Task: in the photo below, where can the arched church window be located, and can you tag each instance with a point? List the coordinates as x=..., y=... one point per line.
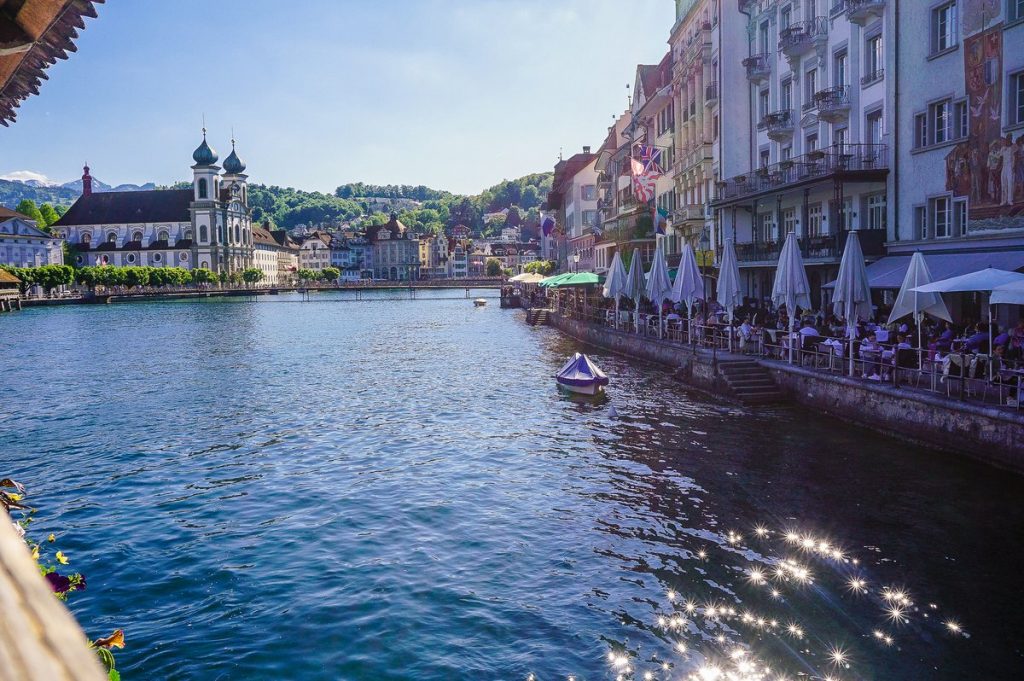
x=238, y=233
x=163, y=236
x=111, y=237
x=86, y=238
x=136, y=236
x=203, y=234
x=203, y=188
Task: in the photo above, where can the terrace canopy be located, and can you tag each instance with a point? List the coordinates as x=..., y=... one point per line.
x=889, y=272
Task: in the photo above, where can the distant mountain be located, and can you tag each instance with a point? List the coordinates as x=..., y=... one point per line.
x=41, y=190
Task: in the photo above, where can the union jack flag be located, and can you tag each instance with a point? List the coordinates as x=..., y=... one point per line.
x=650, y=157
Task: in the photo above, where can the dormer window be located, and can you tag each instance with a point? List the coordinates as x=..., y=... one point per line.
x=86, y=238
x=111, y=237
x=163, y=236
x=136, y=236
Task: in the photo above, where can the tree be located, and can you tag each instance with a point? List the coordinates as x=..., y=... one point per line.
x=306, y=274
x=48, y=214
x=136, y=276
x=87, y=276
x=542, y=267
x=28, y=208
x=235, y=277
x=203, y=276
x=252, y=275
x=330, y=274
x=492, y=267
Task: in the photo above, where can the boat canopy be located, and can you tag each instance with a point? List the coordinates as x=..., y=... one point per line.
x=580, y=371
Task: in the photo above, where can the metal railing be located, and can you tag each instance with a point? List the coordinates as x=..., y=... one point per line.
x=779, y=122
x=872, y=77
x=816, y=164
x=799, y=37
x=832, y=99
x=758, y=66
x=710, y=93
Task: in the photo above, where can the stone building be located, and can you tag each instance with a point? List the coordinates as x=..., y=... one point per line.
x=396, y=252
x=276, y=255
x=315, y=251
x=22, y=244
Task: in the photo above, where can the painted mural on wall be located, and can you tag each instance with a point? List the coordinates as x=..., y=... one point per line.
x=988, y=167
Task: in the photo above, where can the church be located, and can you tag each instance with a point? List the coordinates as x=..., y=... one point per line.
x=208, y=225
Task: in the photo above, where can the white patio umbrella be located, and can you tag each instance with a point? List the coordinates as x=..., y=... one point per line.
x=914, y=302
x=688, y=287
x=1008, y=294
x=615, y=283
x=982, y=281
x=659, y=284
x=851, y=298
x=635, y=284
x=791, y=287
x=730, y=296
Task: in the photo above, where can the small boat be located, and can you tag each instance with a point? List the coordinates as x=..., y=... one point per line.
x=581, y=376
x=480, y=302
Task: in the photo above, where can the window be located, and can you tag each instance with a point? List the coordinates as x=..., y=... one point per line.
x=765, y=231
x=86, y=238
x=136, y=236
x=846, y=214
x=765, y=158
x=960, y=217
x=921, y=130
x=157, y=257
x=787, y=153
x=789, y=220
x=839, y=69
x=762, y=103
x=811, y=81
x=811, y=143
x=921, y=222
x=1015, y=10
x=188, y=233
x=785, y=18
x=203, y=234
x=786, y=96
x=941, y=217
x=130, y=258
x=943, y=27
x=873, y=129
x=111, y=237
x=839, y=137
x=203, y=189
x=874, y=59
x=944, y=121
x=960, y=119
x=814, y=225
x=1017, y=89
x=939, y=115
x=763, y=34
x=588, y=192
x=877, y=215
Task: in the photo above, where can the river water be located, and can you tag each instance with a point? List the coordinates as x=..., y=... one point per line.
x=394, y=489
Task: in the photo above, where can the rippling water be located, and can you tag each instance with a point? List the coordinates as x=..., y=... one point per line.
x=394, y=489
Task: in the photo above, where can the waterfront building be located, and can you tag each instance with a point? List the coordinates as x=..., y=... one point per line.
x=23, y=244
x=396, y=254
x=573, y=196
x=315, y=251
x=458, y=259
x=208, y=225
x=434, y=256
x=276, y=255
x=958, y=190
x=814, y=153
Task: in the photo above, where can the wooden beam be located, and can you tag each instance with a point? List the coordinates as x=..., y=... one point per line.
x=39, y=639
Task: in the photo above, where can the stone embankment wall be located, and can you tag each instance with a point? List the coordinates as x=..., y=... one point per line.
x=992, y=435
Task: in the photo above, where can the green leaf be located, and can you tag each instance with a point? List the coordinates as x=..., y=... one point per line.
x=114, y=675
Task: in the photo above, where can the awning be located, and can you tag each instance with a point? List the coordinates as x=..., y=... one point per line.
x=890, y=271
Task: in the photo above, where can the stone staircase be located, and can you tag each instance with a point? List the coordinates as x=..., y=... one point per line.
x=750, y=382
x=537, y=316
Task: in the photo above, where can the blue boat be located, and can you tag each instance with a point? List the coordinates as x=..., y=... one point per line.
x=581, y=376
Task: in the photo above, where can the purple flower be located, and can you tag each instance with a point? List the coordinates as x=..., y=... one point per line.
x=58, y=583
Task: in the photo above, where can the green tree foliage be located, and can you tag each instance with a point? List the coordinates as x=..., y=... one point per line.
x=492, y=268
x=330, y=274
x=287, y=207
x=48, y=277
x=28, y=208
x=306, y=274
x=49, y=214
x=252, y=275
x=542, y=267
x=203, y=276
x=360, y=190
x=136, y=276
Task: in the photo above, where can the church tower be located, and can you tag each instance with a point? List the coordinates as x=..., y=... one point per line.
x=238, y=218
x=207, y=221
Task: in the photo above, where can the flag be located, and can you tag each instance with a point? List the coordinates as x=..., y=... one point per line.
x=660, y=221
x=650, y=157
x=643, y=183
x=548, y=225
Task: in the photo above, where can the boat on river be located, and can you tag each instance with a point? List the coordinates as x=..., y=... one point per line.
x=581, y=376
x=480, y=302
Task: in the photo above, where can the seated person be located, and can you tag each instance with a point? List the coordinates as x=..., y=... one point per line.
x=978, y=342
x=1001, y=341
x=808, y=329
x=902, y=343
x=871, y=353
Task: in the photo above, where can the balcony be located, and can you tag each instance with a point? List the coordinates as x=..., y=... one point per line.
x=802, y=37
x=851, y=162
x=779, y=124
x=758, y=67
x=827, y=247
x=683, y=214
x=755, y=7
x=860, y=12
x=833, y=103
x=710, y=94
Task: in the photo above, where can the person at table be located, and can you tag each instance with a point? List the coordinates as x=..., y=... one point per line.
x=871, y=353
x=746, y=333
x=1016, y=348
x=1002, y=340
x=978, y=341
x=944, y=343
x=808, y=329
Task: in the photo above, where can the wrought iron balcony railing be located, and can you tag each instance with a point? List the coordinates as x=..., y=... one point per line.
x=801, y=37
x=758, y=67
x=862, y=11
x=833, y=103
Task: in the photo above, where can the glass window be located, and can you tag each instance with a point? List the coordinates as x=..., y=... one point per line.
x=1017, y=89
x=874, y=58
x=763, y=103
x=960, y=119
x=921, y=130
x=942, y=217
x=111, y=237
x=202, y=188
x=839, y=137
x=944, y=34
x=786, y=95
x=839, y=69
x=814, y=226
x=812, y=85
x=786, y=17
x=939, y=116
x=874, y=128
x=811, y=143
x=877, y=215
x=1015, y=10
x=921, y=222
x=960, y=217
x=789, y=220
x=588, y=192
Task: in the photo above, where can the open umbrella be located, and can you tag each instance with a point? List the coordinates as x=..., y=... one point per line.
x=791, y=287
x=982, y=281
x=914, y=302
x=615, y=283
x=635, y=284
x=659, y=286
x=730, y=296
x=688, y=287
x=851, y=298
x=1008, y=294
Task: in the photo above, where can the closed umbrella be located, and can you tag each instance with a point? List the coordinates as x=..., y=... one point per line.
x=791, y=287
x=851, y=298
x=615, y=283
x=729, y=294
x=635, y=284
x=914, y=302
x=688, y=287
x=659, y=285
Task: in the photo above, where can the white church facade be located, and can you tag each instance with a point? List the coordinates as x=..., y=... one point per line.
x=206, y=226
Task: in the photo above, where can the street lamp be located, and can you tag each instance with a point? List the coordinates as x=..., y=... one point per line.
x=576, y=261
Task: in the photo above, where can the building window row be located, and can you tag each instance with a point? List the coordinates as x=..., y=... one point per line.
x=942, y=217
x=944, y=121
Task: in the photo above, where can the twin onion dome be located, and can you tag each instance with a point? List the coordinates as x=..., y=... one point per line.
x=205, y=155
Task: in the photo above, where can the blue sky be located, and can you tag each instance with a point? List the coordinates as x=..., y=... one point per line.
x=454, y=94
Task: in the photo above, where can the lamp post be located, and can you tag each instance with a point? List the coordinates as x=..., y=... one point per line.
x=576, y=261
x=705, y=247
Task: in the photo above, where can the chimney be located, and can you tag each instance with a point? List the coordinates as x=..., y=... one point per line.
x=86, y=181
x=586, y=150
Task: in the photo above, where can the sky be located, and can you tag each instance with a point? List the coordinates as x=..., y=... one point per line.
x=453, y=94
